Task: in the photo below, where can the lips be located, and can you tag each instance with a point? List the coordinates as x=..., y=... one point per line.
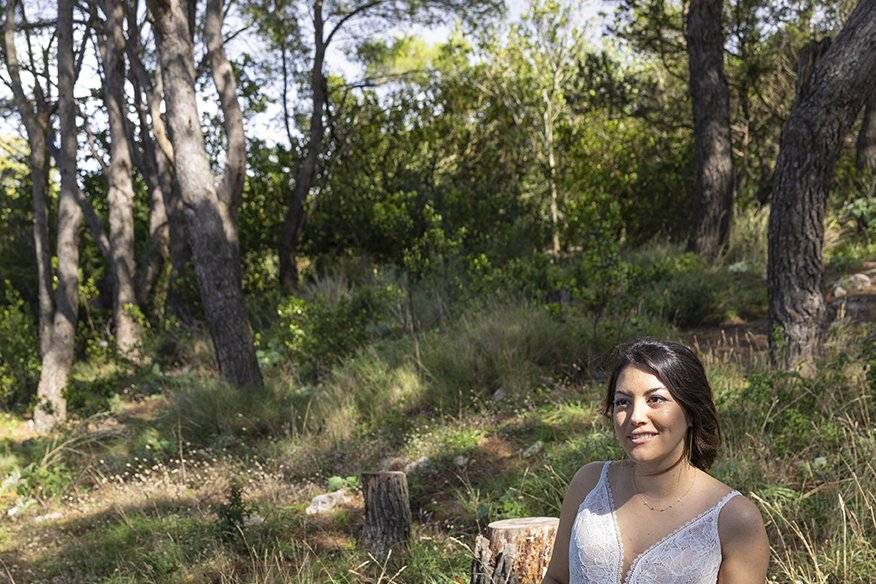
x=642, y=437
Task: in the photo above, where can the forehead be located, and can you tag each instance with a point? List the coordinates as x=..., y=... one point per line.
x=634, y=380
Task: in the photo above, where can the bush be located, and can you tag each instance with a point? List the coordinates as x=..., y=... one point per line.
x=317, y=331
x=207, y=410
x=679, y=287
x=19, y=357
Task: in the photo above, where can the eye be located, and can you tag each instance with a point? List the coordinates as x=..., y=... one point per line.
x=657, y=399
x=621, y=402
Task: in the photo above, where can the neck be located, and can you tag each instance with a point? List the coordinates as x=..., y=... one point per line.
x=663, y=478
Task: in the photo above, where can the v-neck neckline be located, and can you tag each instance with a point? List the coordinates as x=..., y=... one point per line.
x=624, y=578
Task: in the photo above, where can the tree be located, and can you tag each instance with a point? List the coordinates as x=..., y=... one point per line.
x=820, y=119
x=329, y=20
x=120, y=191
x=58, y=359
x=866, y=144
x=211, y=202
x=35, y=115
x=710, y=98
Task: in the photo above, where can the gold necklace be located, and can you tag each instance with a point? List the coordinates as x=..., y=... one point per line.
x=652, y=507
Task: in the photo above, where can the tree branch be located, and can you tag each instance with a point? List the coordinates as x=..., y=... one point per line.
x=231, y=184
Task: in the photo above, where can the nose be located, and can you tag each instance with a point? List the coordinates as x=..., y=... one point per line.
x=638, y=413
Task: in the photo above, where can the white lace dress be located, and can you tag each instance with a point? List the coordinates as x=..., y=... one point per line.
x=689, y=555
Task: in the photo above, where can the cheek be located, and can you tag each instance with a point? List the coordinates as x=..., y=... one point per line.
x=670, y=416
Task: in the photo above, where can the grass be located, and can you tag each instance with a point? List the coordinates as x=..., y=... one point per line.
x=132, y=490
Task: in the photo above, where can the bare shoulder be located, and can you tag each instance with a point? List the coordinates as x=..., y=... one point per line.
x=586, y=478
x=740, y=519
x=745, y=546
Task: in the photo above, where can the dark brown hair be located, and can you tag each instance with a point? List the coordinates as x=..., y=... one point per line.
x=681, y=371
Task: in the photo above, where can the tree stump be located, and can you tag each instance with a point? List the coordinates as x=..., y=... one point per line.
x=387, y=513
x=517, y=552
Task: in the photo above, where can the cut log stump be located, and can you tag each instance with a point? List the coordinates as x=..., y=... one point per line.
x=517, y=552
x=387, y=513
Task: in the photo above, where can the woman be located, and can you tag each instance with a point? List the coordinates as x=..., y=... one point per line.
x=658, y=517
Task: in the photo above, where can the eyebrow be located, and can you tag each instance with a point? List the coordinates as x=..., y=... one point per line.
x=652, y=390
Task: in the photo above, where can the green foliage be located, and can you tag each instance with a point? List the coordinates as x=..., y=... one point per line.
x=681, y=288
x=231, y=514
x=19, y=351
x=336, y=483
x=318, y=331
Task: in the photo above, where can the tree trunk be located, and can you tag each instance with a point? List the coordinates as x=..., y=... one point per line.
x=212, y=231
x=865, y=158
x=120, y=192
x=36, y=119
x=554, y=205
x=811, y=140
x=518, y=551
x=51, y=406
x=387, y=513
x=293, y=223
x=154, y=281
x=710, y=98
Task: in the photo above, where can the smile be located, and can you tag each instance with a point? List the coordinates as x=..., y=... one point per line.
x=641, y=438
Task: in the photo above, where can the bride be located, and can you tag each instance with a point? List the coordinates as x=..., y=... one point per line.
x=658, y=517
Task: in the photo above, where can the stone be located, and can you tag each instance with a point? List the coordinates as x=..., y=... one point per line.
x=253, y=519
x=329, y=502
x=857, y=281
x=839, y=292
x=21, y=505
x=393, y=463
x=49, y=517
x=499, y=394
x=533, y=450
x=739, y=267
x=460, y=460
x=422, y=464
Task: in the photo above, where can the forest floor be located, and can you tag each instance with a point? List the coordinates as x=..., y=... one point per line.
x=134, y=495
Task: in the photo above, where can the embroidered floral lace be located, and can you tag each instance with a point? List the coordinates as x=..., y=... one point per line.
x=688, y=555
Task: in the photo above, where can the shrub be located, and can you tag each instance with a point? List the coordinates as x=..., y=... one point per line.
x=319, y=330
x=19, y=358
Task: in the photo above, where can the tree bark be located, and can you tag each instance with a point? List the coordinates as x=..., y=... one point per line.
x=811, y=140
x=212, y=230
x=51, y=406
x=710, y=98
x=293, y=223
x=120, y=192
x=554, y=205
x=161, y=151
x=865, y=158
x=518, y=550
x=36, y=119
x=153, y=281
x=387, y=513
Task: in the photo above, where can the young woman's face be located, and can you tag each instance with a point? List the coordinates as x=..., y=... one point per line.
x=649, y=424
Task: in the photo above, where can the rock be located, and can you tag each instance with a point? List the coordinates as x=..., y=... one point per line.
x=21, y=505
x=839, y=292
x=499, y=394
x=422, y=464
x=253, y=519
x=533, y=450
x=738, y=268
x=329, y=502
x=858, y=281
x=393, y=463
x=460, y=460
x=11, y=481
x=49, y=517
x=819, y=462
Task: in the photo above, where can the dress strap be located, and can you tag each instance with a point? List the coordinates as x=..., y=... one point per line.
x=724, y=500
x=603, y=476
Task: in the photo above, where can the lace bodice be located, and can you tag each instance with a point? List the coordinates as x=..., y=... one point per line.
x=688, y=555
